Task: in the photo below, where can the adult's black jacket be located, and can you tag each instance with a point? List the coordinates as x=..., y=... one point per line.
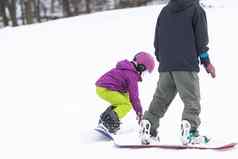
x=180, y=36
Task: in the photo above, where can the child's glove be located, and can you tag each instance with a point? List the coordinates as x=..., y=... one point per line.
x=210, y=69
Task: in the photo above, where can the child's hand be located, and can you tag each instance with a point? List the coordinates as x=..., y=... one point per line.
x=139, y=117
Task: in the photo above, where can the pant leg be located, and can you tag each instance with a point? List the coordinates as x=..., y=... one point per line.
x=187, y=84
x=120, y=101
x=163, y=96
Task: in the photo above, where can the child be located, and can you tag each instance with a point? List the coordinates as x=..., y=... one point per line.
x=119, y=87
x=181, y=39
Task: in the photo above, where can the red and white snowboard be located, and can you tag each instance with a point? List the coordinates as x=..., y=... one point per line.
x=224, y=146
x=132, y=140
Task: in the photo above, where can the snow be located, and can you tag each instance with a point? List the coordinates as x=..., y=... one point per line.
x=219, y=3
x=48, y=104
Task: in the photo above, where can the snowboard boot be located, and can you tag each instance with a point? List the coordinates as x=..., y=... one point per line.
x=110, y=120
x=191, y=136
x=154, y=139
x=147, y=135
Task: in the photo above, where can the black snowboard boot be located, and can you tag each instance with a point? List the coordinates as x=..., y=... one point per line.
x=110, y=120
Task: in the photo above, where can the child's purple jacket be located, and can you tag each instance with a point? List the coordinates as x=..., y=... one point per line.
x=124, y=78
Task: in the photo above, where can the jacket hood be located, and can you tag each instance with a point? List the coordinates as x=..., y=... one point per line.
x=127, y=65
x=180, y=5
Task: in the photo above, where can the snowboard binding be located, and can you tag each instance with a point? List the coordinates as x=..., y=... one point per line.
x=191, y=136
x=147, y=136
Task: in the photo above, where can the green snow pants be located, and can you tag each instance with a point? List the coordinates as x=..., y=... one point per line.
x=119, y=100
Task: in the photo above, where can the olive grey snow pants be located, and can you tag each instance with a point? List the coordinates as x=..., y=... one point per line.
x=187, y=86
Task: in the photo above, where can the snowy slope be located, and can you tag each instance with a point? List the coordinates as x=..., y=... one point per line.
x=48, y=105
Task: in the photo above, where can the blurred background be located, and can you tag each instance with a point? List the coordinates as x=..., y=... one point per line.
x=22, y=12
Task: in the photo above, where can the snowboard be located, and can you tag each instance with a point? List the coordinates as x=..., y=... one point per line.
x=134, y=142
x=171, y=146
x=103, y=131
x=131, y=140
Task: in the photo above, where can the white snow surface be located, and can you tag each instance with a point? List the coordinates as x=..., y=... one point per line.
x=48, y=104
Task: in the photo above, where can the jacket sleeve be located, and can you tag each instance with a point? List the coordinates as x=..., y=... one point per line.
x=156, y=40
x=134, y=95
x=200, y=30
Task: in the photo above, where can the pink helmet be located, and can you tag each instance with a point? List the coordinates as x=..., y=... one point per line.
x=143, y=58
